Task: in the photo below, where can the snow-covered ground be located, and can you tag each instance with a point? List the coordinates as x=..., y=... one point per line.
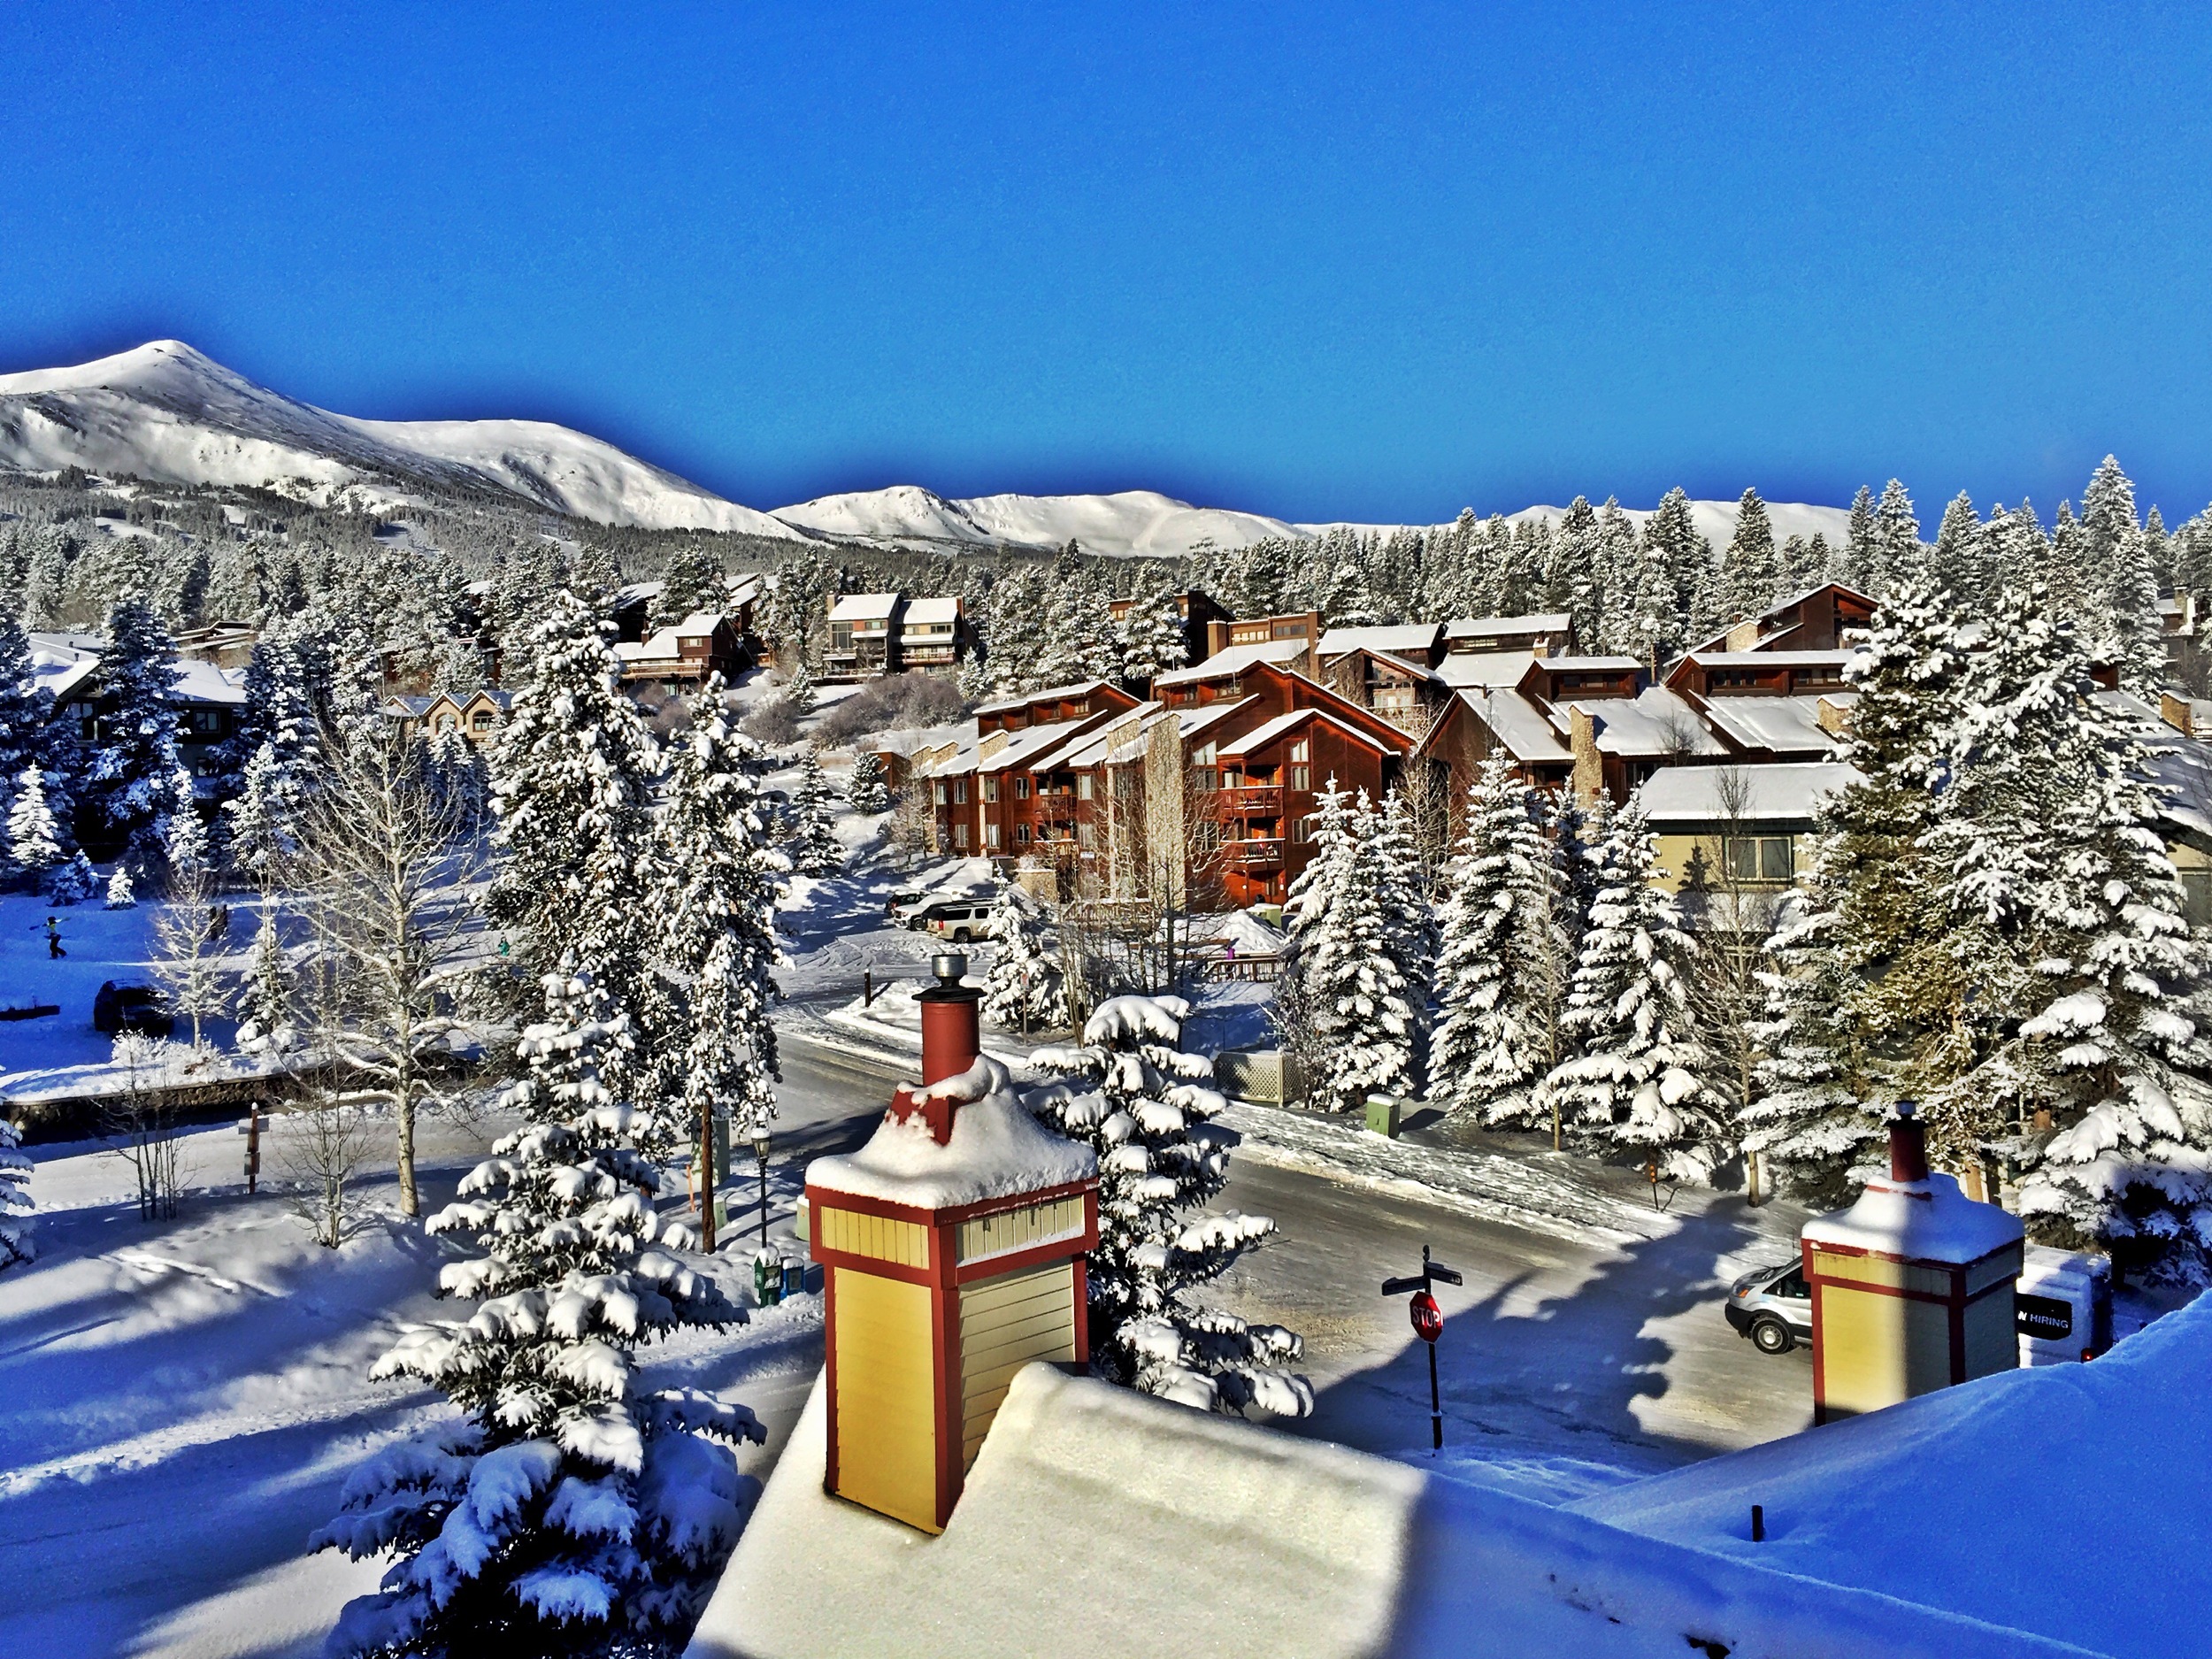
x=181, y=1400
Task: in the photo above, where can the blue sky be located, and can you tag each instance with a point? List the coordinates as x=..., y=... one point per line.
x=1325, y=262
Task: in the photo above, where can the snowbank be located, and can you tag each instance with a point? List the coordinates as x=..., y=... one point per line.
x=2069, y=1500
x=1099, y=1520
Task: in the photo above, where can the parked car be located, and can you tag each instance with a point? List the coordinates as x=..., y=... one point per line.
x=1773, y=1307
x=139, y=1007
x=958, y=922
x=2062, y=1307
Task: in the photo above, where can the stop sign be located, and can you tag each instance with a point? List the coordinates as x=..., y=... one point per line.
x=1428, y=1318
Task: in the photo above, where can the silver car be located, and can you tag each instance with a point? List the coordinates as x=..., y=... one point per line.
x=1773, y=1307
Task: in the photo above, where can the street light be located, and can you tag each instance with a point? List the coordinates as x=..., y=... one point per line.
x=760, y=1151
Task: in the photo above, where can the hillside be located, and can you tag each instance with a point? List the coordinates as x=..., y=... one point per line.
x=167, y=412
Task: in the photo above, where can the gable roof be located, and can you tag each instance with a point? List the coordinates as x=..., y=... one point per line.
x=1404, y=636
x=928, y=613
x=1260, y=736
x=1775, y=791
x=864, y=608
x=1784, y=725
x=1227, y=665
x=1518, y=723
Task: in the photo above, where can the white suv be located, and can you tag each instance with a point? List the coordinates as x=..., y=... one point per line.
x=1773, y=1307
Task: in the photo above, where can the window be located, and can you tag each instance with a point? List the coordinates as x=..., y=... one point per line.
x=960, y=836
x=1082, y=785
x=1303, y=749
x=960, y=791
x=1302, y=831
x=1021, y=833
x=1301, y=776
x=937, y=789
x=990, y=835
x=1759, y=857
x=1021, y=789
x=841, y=636
x=481, y=721
x=990, y=788
x=1206, y=778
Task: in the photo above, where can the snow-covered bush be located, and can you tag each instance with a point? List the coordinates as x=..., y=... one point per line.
x=73, y=882
x=1023, y=987
x=1142, y=1105
x=16, y=1243
x=121, y=895
x=867, y=791
x=814, y=846
x=571, y=1513
x=895, y=703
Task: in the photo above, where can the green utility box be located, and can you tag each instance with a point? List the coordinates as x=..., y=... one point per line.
x=1382, y=1114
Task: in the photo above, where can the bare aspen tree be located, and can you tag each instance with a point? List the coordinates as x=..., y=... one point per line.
x=389, y=878
x=142, y=1125
x=191, y=933
x=325, y=1143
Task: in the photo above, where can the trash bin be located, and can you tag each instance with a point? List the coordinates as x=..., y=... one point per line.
x=1382, y=1114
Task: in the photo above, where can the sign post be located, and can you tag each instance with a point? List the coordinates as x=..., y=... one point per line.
x=1428, y=1324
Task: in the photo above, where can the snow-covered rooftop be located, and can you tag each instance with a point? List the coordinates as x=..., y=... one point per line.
x=1782, y=724
x=997, y=1150
x=1653, y=724
x=1773, y=659
x=1928, y=1220
x=1051, y=694
x=1484, y=668
x=1227, y=665
x=1762, y=793
x=1282, y=725
x=1417, y=637
x=202, y=682
x=1487, y=628
x=1101, y=1521
x=1591, y=664
x=864, y=608
x=931, y=613
x=1518, y=724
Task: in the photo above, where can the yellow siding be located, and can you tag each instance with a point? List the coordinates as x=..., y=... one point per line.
x=1012, y=1230
x=1876, y=1350
x=905, y=1242
x=1872, y=1270
x=1005, y=1323
x=2006, y=1264
x=887, y=1435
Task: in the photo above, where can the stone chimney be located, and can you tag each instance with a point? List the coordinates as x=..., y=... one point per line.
x=1745, y=635
x=1589, y=764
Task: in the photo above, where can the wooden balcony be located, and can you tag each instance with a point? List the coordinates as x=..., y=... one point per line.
x=1261, y=852
x=1264, y=798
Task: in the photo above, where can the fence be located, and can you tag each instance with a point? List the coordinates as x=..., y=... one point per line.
x=1266, y=1075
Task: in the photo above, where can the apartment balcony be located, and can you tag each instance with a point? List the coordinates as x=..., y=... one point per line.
x=1261, y=852
x=1264, y=798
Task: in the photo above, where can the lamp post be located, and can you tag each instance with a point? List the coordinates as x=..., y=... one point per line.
x=760, y=1151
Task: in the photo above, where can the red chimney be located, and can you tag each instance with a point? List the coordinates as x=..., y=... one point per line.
x=951, y=1039
x=1907, y=1146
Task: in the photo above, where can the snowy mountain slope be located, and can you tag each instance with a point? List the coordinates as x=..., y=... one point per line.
x=1145, y=522
x=168, y=413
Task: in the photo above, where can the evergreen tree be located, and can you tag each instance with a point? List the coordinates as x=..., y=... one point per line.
x=1862, y=553
x=26, y=708
x=573, y=1513
x=1686, y=556
x=2123, y=576
x=1152, y=631
x=693, y=583
x=1640, y=1079
x=72, y=882
x=720, y=876
x=271, y=759
x=1897, y=551
x=815, y=848
x=459, y=777
x=1748, y=573
x=34, y=839
x=1023, y=987
x=867, y=792
x=264, y=998
x=1350, y=980
x=16, y=1243
x=798, y=692
x=1498, y=930
x=121, y=895
x=572, y=785
x=1143, y=1106
x=129, y=781
x=1956, y=562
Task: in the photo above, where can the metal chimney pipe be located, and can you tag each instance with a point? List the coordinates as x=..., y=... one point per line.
x=951, y=1029
x=1907, y=1146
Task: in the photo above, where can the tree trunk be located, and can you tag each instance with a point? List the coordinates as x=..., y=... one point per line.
x=410, y=1201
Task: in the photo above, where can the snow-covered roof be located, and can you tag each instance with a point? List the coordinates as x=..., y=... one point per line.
x=1051, y=694
x=744, y=590
x=1653, y=724
x=698, y=622
x=1765, y=793
x=1031, y=744
x=1487, y=628
x=1773, y=659
x=1100, y=1521
x=864, y=608
x=1783, y=725
x=1405, y=636
x=1404, y=664
x=1928, y=1220
x=1591, y=664
x=195, y=681
x=996, y=1150
x=1260, y=736
x=1484, y=668
x=1227, y=665
x=931, y=613
x=1121, y=738
x=1775, y=610
x=1518, y=724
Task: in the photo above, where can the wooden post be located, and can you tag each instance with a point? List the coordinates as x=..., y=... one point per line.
x=703, y=1161
x=253, y=1143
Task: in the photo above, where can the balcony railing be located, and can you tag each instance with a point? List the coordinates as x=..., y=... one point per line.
x=1252, y=798
x=1259, y=851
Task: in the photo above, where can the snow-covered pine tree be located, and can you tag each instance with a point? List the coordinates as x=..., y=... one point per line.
x=1354, y=991
x=457, y=775
x=1152, y=631
x=1143, y=1105
x=1862, y=553
x=1024, y=988
x=1867, y=978
x=1747, y=577
x=868, y=793
x=1387, y=843
x=1687, y=559
x=1499, y=924
x=814, y=846
x=26, y=708
x=265, y=997
x=1640, y=1079
x=121, y=894
x=570, y=1513
x=72, y=881
x=1956, y=561
x=16, y=1243
x=34, y=838
x=128, y=781
x=692, y=582
x=719, y=875
x=184, y=842
x=276, y=732
x=572, y=784
x=2123, y=575
x=798, y=691
x=1898, y=554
